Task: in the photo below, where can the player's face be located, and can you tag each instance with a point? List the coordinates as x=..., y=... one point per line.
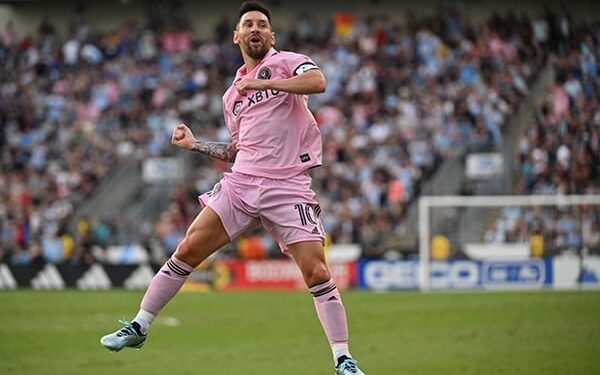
x=254, y=35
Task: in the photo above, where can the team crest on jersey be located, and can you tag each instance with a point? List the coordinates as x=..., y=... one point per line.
x=264, y=73
x=237, y=106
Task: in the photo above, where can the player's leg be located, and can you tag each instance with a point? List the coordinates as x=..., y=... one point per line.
x=291, y=215
x=205, y=235
x=310, y=258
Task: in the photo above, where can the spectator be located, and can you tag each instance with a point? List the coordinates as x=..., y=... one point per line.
x=400, y=100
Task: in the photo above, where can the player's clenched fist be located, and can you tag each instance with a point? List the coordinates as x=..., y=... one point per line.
x=183, y=137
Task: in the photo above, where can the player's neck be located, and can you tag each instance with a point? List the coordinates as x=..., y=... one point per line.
x=250, y=63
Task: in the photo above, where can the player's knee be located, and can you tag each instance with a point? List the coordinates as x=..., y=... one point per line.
x=316, y=274
x=184, y=250
x=187, y=249
x=199, y=243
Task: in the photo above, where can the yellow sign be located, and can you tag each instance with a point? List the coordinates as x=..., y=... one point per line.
x=440, y=247
x=537, y=245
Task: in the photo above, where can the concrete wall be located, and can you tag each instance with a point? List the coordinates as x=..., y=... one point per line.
x=105, y=15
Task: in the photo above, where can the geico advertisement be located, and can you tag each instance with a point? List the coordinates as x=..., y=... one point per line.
x=558, y=272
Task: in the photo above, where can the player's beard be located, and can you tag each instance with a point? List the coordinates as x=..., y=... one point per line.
x=256, y=53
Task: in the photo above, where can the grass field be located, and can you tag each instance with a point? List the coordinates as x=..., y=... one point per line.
x=278, y=333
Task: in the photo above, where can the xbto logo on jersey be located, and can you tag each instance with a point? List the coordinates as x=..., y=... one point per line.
x=257, y=97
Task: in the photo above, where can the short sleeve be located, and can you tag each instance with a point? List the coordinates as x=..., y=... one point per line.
x=297, y=63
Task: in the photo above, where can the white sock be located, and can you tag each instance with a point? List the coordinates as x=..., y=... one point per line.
x=339, y=349
x=144, y=319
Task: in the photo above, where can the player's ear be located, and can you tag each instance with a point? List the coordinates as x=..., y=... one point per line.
x=273, y=39
x=236, y=38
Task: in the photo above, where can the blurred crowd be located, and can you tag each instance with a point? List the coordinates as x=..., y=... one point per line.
x=400, y=100
x=560, y=151
x=560, y=154
x=72, y=108
x=562, y=229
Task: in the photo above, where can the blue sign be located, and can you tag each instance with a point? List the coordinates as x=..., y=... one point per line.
x=384, y=275
x=530, y=274
x=459, y=274
x=456, y=274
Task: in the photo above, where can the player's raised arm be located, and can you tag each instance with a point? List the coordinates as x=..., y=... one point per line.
x=183, y=137
x=310, y=82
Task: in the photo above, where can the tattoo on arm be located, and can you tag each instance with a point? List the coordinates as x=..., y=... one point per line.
x=218, y=150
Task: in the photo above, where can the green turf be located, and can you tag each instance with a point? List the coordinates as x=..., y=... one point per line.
x=278, y=333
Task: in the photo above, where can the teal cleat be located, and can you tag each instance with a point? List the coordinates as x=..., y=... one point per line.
x=126, y=337
x=348, y=367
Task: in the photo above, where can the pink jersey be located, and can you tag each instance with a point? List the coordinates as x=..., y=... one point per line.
x=274, y=132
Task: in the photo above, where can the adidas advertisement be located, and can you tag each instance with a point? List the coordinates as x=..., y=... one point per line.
x=220, y=275
x=562, y=272
x=95, y=277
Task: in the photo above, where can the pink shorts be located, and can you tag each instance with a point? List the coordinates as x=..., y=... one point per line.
x=287, y=208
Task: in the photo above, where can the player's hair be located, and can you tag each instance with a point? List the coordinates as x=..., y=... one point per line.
x=250, y=6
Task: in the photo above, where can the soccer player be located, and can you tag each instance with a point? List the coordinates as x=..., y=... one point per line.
x=275, y=140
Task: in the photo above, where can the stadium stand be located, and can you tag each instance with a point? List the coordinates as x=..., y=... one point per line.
x=453, y=89
x=401, y=99
x=560, y=154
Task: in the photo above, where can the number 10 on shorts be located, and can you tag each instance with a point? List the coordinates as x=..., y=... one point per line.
x=309, y=214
